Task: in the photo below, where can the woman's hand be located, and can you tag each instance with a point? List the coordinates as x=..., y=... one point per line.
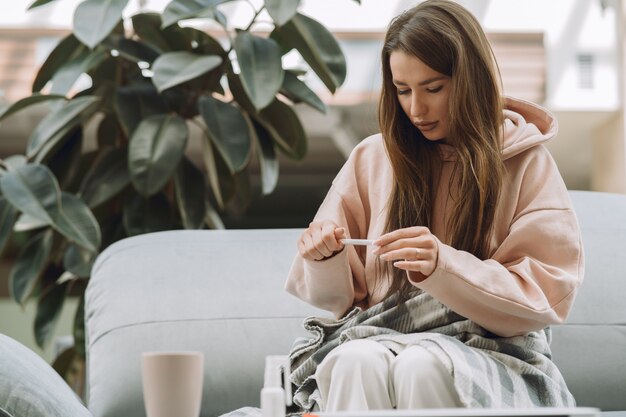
x=413, y=249
x=321, y=240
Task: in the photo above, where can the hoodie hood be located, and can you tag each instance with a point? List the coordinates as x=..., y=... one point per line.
x=525, y=125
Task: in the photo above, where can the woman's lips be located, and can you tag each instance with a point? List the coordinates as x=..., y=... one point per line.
x=426, y=127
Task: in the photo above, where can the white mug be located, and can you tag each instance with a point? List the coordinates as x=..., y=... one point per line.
x=172, y=383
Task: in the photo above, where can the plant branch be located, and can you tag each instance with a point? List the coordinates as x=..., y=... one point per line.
x=256, y=14
x=231, y=41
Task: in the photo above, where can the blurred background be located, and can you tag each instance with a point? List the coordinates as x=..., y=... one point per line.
x=567, y=55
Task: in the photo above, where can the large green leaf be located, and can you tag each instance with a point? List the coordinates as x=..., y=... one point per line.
x=297, y=91
x=186, y=9
x=148, y=27
x=29, y=265
x=65, y=51
x=214, y=173
x=106, y=178
x=136, y=102
x=8, y=214
x=79, y=328
x=76, y=222
x=14, y=161
x=65, y=77
x=131, y=49
x=25, y=223
x=58, y=122
x=317, y=46
x=285, y=128
x=281, y=11
x=95, y=19
x=261, y=68
x=39, y=3
x=154, y=151
x=228, y=129
x=241, y=194
x=146, y=215
x=27, y=102
x=204, y=43
x=175, y=68
x=105, y=82
x=78, y=260
x=239, y=93
x=190, y=194
x=225, y=179
x=64, y=159
x=267, y=159
x=32, y=189
x=49, y=306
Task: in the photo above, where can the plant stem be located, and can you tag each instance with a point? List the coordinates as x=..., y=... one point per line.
x=256, y=14
x=202, y=126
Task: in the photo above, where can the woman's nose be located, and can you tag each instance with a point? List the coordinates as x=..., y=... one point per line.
x=418, y=108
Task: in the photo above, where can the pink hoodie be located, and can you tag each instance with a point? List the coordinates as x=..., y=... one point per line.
x=536, y=260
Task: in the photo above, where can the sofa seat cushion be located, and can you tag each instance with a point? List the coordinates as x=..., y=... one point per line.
x=218, y=292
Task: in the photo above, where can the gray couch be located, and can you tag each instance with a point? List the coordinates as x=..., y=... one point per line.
x=222, y=292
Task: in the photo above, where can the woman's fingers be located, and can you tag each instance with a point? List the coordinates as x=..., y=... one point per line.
x=320, y=240
x=407, y=232
x=425, y=267
x=330, y=242
x=410, y=249
x=408, y=254
x=425, y=241
x=310, y=250
x=416, y=259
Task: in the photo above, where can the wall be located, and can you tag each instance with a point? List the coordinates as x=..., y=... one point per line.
x=609, y=165
x=609, y=162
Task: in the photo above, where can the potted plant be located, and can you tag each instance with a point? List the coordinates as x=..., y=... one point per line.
x=154, y=81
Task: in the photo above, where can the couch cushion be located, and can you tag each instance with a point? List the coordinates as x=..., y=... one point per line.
x=590, y=349
x=213, y=291
x=29, y=387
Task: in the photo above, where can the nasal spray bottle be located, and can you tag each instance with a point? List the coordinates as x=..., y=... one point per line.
x=273, y=396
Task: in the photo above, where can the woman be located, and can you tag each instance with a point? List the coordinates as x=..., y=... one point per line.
x=476, y=242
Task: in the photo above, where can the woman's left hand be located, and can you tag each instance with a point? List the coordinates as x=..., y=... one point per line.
x=412, y=249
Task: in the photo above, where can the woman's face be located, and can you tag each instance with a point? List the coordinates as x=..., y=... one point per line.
x=423, y=94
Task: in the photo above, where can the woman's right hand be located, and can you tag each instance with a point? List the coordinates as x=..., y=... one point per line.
x=321, y=240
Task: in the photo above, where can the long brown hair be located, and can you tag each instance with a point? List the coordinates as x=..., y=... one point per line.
x=448, y=39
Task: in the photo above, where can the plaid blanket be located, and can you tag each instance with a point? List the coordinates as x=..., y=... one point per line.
x=488, y=370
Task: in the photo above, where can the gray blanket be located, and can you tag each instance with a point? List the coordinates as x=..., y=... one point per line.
x=488, y=371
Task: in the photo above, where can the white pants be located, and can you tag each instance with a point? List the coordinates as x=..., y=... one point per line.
x=365, y=375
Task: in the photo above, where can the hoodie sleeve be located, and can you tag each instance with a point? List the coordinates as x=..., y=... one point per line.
x=531, y=279
x=338, y=283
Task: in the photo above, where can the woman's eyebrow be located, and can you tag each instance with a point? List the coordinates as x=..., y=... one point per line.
x=421, y=83
x=433, y=79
